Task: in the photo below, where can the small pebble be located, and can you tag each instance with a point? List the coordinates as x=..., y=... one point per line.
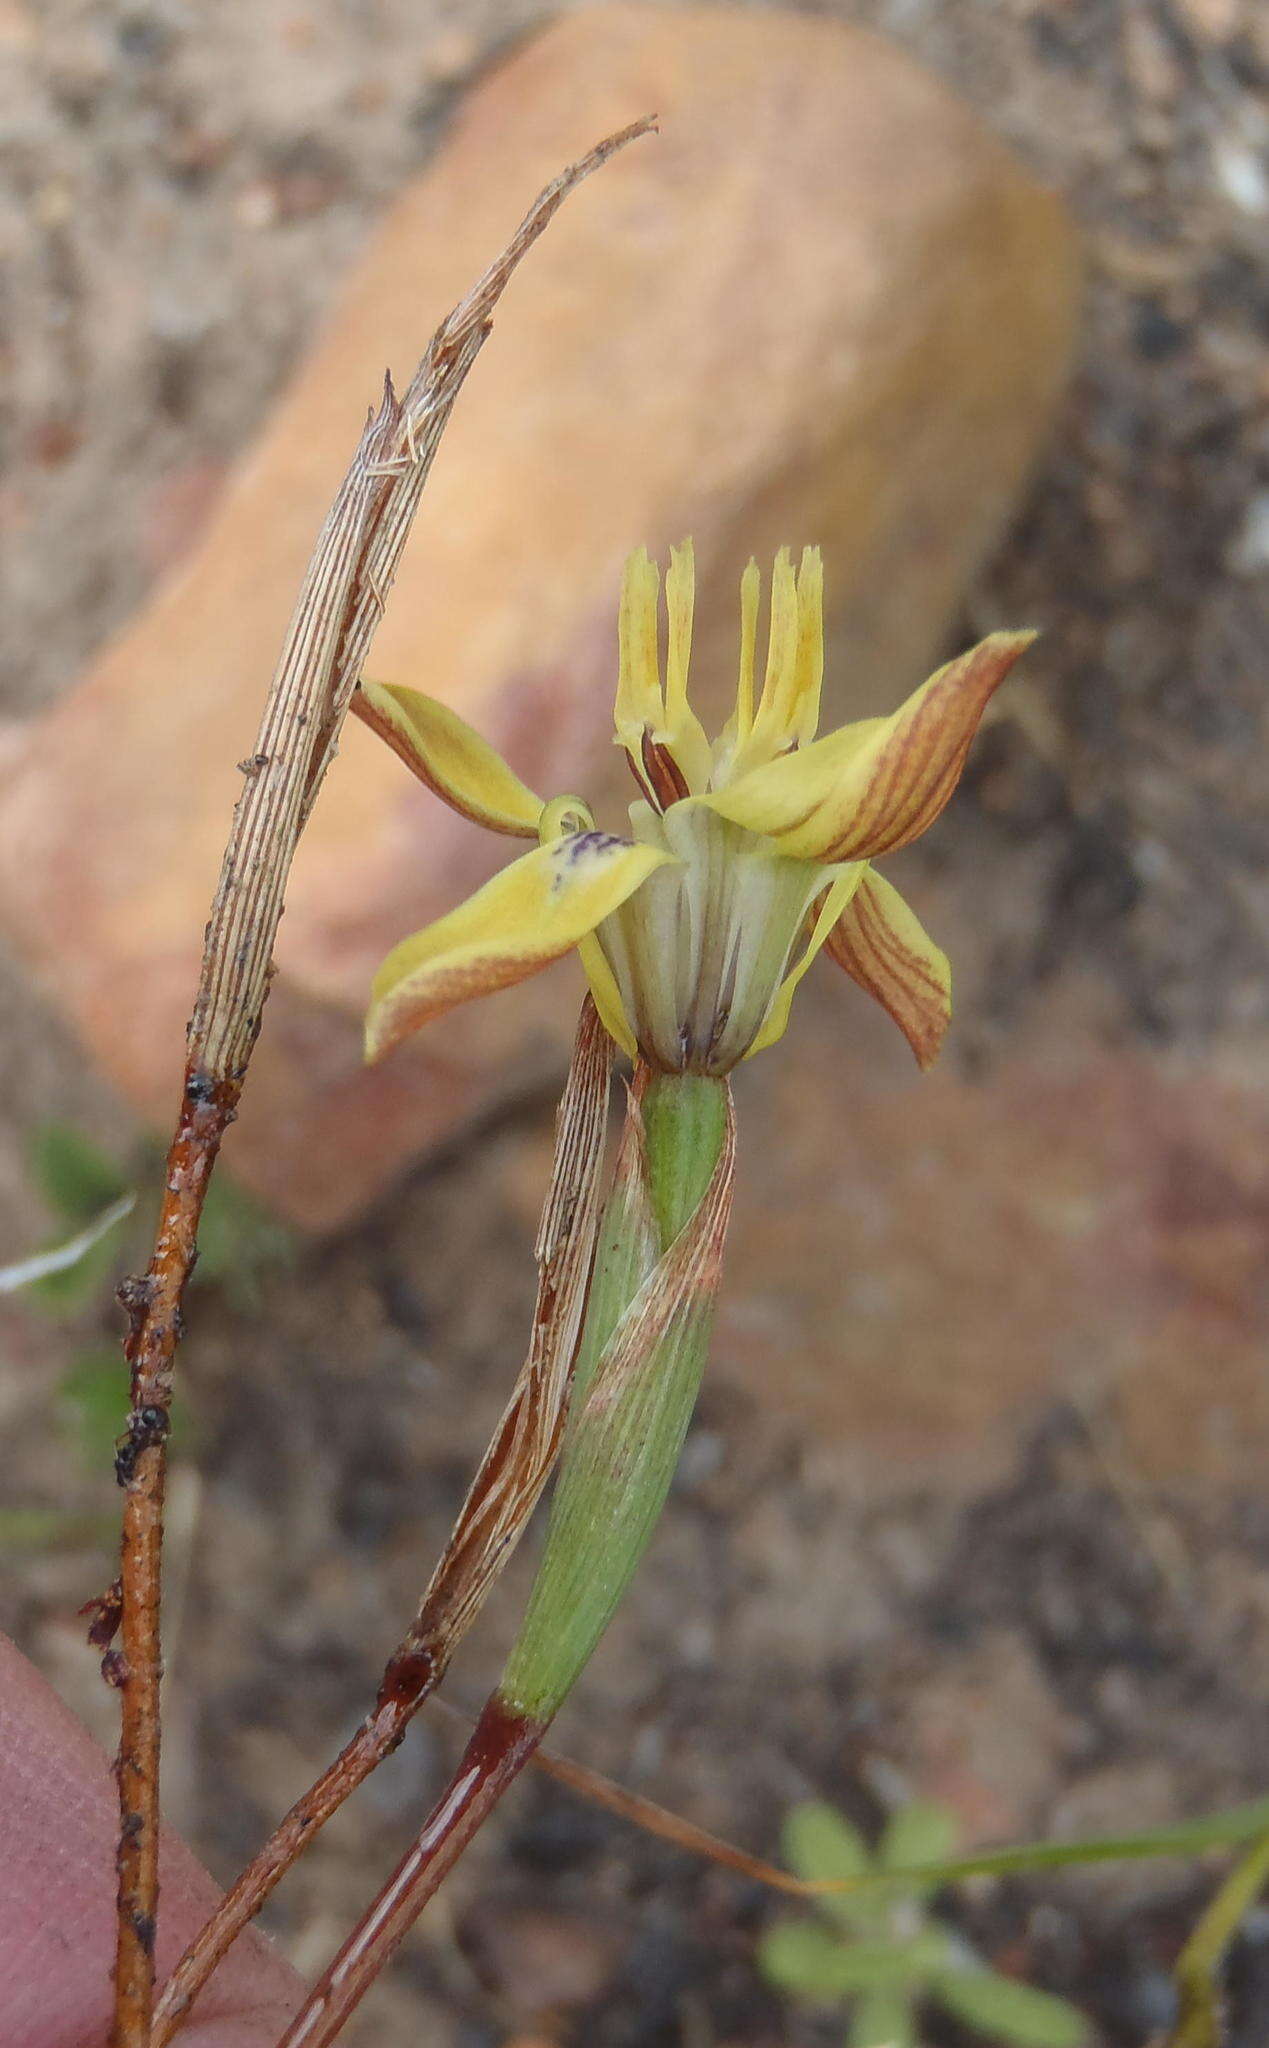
x=1241, y=175
x=1249, y=554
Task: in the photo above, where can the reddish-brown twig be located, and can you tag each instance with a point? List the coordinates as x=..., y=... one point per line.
x=282, y=778
x=340, y=605
x=500, y=1745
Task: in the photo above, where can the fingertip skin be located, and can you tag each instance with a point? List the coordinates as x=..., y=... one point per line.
x=58, y=1822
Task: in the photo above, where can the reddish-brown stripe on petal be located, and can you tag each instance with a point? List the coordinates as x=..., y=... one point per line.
x=399, y=1016
x=879, y=943
x=879, y=936
x=921, y=758
x=924, y=805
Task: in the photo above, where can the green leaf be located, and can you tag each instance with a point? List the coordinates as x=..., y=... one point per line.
x=94, y=1393
x=803, y=1957
x=45, y=1529
x=920, y=1833
x=30, y=1528
x=1007, y=2011
x=75, y=1177
x=883, y=2019
x=820, y=1842
x=239, y=1242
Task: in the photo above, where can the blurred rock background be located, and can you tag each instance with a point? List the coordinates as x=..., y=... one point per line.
x=977, y=1470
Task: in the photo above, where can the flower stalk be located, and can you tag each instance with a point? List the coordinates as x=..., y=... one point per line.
x=635, y=1383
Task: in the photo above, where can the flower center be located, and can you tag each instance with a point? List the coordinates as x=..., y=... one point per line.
x=699, y=951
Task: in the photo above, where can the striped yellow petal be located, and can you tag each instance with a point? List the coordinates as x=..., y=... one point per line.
x=876, y=785
x=882, y=945
x=527, y=916
x=453, y=760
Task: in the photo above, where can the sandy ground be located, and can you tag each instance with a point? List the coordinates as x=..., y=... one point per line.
x=1054, y=1648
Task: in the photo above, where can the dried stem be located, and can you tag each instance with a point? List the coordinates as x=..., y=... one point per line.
x=497, y=1508
x=339, y=607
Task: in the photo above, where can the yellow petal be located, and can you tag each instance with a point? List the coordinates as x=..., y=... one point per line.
x=682, y=730
x=790, y=706
x=644, y=713
x=639, y=703
x=876, y=785
x=527, y=916
x=680, y=604
x=603, y=987
x=750, y=592
x=803, y=711
x=782, y=640
x=444, y=752
x=836, y=897
x=882, y=945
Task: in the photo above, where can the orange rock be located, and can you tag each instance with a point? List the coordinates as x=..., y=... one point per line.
x=825, y=304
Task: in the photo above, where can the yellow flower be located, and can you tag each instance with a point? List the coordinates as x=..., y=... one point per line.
x=745, y=857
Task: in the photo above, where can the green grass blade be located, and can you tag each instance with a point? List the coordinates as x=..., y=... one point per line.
x=1223, y=1830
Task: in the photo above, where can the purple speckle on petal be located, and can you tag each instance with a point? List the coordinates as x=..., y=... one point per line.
x=581, y=845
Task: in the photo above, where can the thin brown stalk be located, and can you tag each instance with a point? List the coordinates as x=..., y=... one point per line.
x=646, y=1814
x=656, y=1820
x=339, y=607
x=497, y=1508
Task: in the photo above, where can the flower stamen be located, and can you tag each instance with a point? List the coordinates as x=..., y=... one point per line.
x=662, y=779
